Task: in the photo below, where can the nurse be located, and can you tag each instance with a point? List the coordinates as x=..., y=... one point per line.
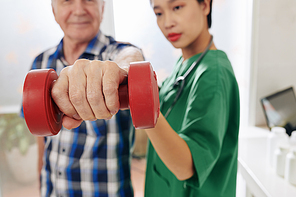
x=193, y=150
x=193, y=147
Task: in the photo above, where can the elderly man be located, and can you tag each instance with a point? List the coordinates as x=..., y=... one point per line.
x=94, y=158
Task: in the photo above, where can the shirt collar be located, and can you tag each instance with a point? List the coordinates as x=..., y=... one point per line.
x=95, y=46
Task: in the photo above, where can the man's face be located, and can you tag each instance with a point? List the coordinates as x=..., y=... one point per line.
x=79, y=19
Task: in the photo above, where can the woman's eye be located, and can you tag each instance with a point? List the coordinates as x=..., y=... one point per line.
x=157, y=14
x=177, y=7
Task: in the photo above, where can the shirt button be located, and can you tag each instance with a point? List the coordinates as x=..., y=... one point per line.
x=64, y=150
x=60, y=173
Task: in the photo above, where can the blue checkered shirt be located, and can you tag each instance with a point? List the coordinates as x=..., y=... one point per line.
x=93, y=159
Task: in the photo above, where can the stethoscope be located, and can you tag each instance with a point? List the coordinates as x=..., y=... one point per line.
x=180, y=81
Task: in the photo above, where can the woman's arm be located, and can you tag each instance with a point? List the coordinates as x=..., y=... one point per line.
x=172, y=149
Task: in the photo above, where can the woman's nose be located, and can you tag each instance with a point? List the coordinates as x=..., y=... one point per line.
x=169, y=21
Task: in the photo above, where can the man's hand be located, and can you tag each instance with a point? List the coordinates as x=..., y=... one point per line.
x=88, y=90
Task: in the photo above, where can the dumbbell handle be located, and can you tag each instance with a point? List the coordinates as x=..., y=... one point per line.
x=123, y=96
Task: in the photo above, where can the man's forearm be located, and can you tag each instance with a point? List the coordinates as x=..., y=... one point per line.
x=128, y=55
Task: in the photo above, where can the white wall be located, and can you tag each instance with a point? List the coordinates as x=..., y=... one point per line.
x=107, y=25
x=273, y=52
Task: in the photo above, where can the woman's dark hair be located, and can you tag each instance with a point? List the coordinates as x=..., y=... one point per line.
x=209, y=17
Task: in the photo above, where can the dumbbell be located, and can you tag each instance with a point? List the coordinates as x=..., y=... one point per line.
x=44, y=118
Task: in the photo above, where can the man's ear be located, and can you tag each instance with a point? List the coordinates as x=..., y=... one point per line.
x=52, y=8
x=102, y=11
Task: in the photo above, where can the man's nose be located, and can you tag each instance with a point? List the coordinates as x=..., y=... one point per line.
x=79, y=7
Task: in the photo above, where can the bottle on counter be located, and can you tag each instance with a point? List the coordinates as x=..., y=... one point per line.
x=290, y=168
x=276, y=137
x=280, y=159
x=293, y=139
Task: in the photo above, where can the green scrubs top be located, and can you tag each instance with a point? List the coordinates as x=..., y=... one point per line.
x=206, y=116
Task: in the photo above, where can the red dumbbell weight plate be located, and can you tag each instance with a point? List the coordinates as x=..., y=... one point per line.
x=143, y=95
x=42, y=116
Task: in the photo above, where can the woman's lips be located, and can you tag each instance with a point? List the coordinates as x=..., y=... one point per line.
x=174, y=37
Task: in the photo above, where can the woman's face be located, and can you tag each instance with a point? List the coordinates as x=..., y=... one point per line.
x=181, y=21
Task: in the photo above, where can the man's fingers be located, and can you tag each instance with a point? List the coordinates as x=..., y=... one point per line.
x=112, y=78
x=70, y=123
x=59, y=94
x=77, y=90
x=95, y=97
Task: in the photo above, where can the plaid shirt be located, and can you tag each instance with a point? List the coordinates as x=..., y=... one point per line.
x=93, y=159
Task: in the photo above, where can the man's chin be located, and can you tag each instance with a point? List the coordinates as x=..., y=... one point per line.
x=82, y=36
